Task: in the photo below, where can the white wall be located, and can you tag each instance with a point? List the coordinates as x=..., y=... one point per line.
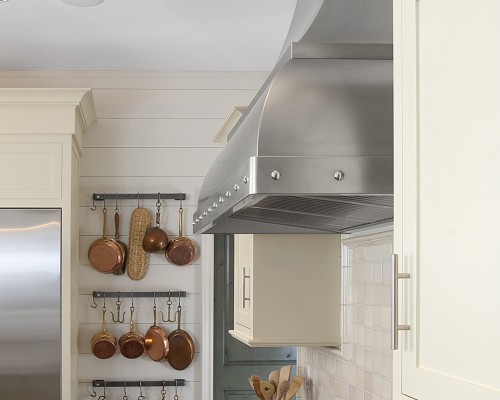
x=153, y=134
x=363, y=369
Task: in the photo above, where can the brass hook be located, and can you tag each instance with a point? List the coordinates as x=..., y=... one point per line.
x=93, y=208
x=141, y=397
x=117, y=320
x=125, y=397
x=94, y=304
x=93, y=394
x=176, y=397
x=116, y=203
x=138, y=198
x=103, y=397
x=163, y=391
x=169, y=305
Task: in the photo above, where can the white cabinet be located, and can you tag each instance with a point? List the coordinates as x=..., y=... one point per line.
x=287, y=290
x=447, y=161
x=41, y=133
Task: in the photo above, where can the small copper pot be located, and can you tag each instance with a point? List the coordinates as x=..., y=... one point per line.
x=132, y=343
x=103, y=343
x=156, y=239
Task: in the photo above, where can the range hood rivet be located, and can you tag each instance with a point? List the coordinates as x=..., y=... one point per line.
x=209, y=210
x=205, y=213
x=275, y=175
x=245, y=179
x=236, y=187
x=215, y=205
x=221, y=199
x=228, y=194
x=338, y=175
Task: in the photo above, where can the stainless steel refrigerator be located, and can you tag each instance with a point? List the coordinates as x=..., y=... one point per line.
x=30, y=305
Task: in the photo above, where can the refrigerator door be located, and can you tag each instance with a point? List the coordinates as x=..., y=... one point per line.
x=30, y=316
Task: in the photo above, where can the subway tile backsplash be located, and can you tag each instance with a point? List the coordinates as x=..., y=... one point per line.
x=362, y=368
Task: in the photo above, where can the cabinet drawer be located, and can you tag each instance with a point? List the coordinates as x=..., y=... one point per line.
x=30, y=170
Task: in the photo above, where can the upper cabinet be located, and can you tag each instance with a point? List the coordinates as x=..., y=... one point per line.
x=447, y=160
x=287, y=290
x=41, y=134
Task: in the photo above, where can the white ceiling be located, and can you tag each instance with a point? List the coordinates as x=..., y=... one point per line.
x=151, y=35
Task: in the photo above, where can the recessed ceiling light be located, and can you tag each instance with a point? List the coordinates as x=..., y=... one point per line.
x=81, y=3
x=4, y=1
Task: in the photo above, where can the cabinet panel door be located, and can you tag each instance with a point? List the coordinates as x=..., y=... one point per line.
x=243, y=267
x=30, y=170
x=449, y=150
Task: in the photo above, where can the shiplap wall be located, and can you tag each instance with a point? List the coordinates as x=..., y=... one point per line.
x=153, y=134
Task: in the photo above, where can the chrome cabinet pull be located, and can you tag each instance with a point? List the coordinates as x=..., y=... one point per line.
x=395, y=327
x=243, y=285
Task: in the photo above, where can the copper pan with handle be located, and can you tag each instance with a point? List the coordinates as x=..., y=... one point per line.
x=123, y=268
x=132, y=343
x=156, y=340
x=103, y=343
x=105, y=254
x=182, y=349
x=180, y=250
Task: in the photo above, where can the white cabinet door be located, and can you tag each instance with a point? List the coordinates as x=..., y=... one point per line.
x=447, y=103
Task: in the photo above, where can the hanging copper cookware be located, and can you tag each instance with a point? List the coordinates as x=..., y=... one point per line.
x=132, y=343
x=181, y=250
x=156, y=340
x=103, y=343
x=104, y=254
x=156, y=239
x=123, y=268
x=181, y=343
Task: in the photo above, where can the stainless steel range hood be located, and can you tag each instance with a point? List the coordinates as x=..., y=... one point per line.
x=314, y=150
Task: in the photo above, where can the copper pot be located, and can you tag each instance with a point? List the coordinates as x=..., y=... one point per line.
x=132, y=343
x=104, y=254
x=155, y=239
x=181, y=250
x=156, y=341
x=103, y=343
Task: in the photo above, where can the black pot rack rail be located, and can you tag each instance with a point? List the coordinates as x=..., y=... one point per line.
x=102, y=383
x=127, y=384
x=135, y=196
x=121, y=295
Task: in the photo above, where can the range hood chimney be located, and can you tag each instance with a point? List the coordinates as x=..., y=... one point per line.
x=314, y=150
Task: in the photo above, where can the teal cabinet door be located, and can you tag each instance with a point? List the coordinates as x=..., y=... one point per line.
x=234, y=362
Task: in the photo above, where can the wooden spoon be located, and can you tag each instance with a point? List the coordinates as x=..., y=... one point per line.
x=282, y=389
x=274, y=377
x=285, y=373
x=267, y=389
x=255, y=379
x=294, y=387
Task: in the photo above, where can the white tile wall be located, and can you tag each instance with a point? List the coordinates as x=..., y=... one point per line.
x=362, y=368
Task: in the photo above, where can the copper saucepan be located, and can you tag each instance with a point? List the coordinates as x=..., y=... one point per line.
x=181, y=343
x=181, y=250
x=156, y=340
x=123, y=268
x=103, y=343
x=132, y=343
x=156, y=239
x=104, y=254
